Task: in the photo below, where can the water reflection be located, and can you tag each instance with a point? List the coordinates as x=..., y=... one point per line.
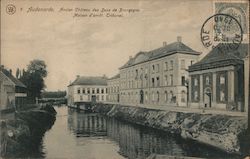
x=86, y=125
x=137, y=141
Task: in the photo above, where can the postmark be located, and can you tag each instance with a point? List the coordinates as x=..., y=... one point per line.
x=221, y=29
x=10, y=9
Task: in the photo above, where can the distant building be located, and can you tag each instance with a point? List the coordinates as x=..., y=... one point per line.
x=157, y=77
x=87, y=89
x=113, y=89
x=217, y=81
x=13, y=92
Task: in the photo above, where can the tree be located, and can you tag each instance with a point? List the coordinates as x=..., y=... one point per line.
x=17, y=73
x=33, y=78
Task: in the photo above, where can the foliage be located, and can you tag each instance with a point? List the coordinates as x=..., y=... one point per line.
x=56, y=94
x=33, y=78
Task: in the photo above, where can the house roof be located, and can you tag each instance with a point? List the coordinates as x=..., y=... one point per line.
x=12, y=78
x=218, y=58
x=176, y=47
x=115, y=76
x=90, y=80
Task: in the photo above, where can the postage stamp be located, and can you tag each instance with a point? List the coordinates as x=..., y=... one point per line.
x=238, y=10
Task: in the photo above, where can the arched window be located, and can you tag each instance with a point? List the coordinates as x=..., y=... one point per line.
x=153, y=96
x=171, y=96
x=183, y=96
x=207, y=80
x=166, y=96
x=158, y=96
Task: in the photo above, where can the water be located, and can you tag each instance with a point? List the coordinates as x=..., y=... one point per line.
x=93, y=136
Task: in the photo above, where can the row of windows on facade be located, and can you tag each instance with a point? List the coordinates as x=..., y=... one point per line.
x=89, y=90
x=155, y=69
x=113, y=89
x=208, y=80
x=221, y=98
x=155, y=82
x=97, y=98
x=155, y=96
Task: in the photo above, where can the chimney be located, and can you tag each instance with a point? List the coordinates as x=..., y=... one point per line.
x=77, y=76
x=178, y=38
x=164, y=43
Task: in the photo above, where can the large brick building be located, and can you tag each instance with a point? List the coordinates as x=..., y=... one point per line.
x=157, y=77
x=217, y=81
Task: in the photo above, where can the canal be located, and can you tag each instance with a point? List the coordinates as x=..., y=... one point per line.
x=93, y=136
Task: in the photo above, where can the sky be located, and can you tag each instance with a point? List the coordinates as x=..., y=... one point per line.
x=88, y=46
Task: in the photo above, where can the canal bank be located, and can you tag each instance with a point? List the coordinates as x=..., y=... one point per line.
x=224, y=132
x=22, y=134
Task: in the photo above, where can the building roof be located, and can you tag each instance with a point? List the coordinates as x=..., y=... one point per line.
x=176, y=47
x=90, y=80
x=12, y=78
x=115, y=77
x=218, y=58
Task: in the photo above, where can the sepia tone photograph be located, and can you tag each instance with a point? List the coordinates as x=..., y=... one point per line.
x=124, y=79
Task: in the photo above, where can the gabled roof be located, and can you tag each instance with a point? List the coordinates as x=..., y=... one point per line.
x=176, y=47
x=90, y=80
x=12, y=78
x=115, y=77
x=218, y=58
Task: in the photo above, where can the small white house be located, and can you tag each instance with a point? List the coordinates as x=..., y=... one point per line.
x=85, y=90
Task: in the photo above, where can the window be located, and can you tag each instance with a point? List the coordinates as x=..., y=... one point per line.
x=136, y=73
x=171, y=80
x=166, y=66
x=146, y=96
x=183, y=67
x=89, y=98
x=102, y=91
x=171, y=65
x=97, y=91
x=157, y=68
x=166, y=96
x=207, y=80
x=183, y=96
x=158, y=96
x=153, y=96
x=183, y=80
x=97, y=97
x=171, y=95
x=93, y=90
x=153, y=82
x=165, y=80
x=102, y=97
x=153, y=68
x=88, y=90
x=83, y=91
x=78, y=91
x=158, y=81
x=222, y=79
x=222, y=96
x=196, y=95
x=195, y=82
x=81, y=97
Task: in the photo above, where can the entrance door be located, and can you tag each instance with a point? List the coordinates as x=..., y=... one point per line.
x=93, y=99
x=141, y=97
x=207, y=98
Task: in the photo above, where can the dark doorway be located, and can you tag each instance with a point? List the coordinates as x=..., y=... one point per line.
x=141, y=97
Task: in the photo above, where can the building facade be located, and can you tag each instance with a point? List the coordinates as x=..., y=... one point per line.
x=217, y=81
x=13, y=92
x=87, y=89
x=157, y=77
x=113, y=89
